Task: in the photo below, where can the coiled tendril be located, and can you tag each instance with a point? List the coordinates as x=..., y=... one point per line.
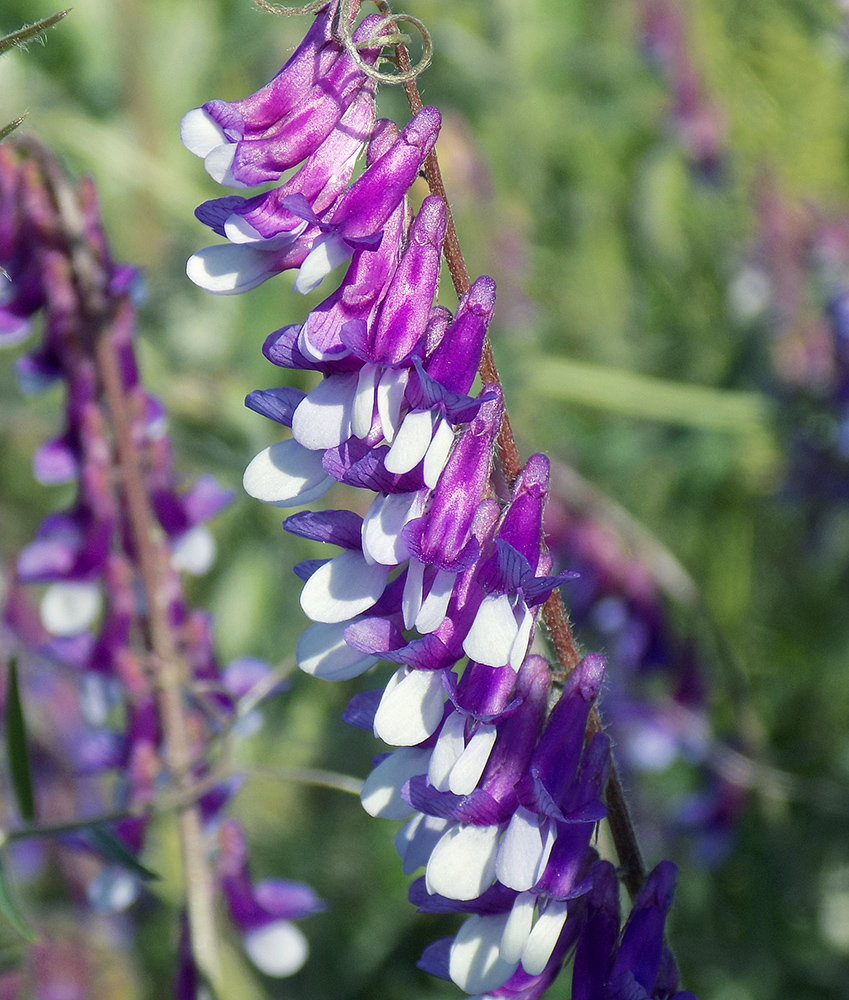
x=344, y=31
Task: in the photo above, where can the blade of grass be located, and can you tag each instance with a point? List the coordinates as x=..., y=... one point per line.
x=10, y=910
x=106, y=843
x=30, y=31
x=8, y=129
x=16, y=747
x=635, y=395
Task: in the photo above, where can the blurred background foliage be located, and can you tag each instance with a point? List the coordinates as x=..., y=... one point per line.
x=622, y=353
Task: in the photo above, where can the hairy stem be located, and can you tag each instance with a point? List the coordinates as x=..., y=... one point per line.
x=554, y=612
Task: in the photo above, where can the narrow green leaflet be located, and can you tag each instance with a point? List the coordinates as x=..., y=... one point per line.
x=106, y=843
x=10, y=911
x=16, y=746
x=10, y=128
x=30, y=31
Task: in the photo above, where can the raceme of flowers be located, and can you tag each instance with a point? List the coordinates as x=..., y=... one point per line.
x=501, y=792
x=93, y=615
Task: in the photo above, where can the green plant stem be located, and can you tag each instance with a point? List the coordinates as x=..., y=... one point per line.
x=309, y=776
x=315, y=776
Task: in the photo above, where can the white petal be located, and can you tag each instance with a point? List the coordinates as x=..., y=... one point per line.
x=411, y=707
x=342, y=588
x=327, y=253
x=278, y=949
x=364, y=400
x=323, y=652
x=438, y=452
x=238, y=230
x=468, y=769
x=200, y=133
x=449, y=745
x=476, y=965
x=334, y=352
x=387, y=515
x=416, y=839
x=411, y=599
x=518, y=927
x=194, y=551
x=433, y=609
x=462, y=865
x=287, y=475
x=390, y=396
x=381, y=794
x=228, y=269
x=650, y=747
x=98, y=696
x=411, y=442
x=544, y=937
x=323, y=418
x=523, y=636
x=524, y=850
x=217, y=164
x=493, y=632
x=68, y=608
x=112, y=890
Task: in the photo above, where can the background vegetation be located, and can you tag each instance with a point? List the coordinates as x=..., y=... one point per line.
x=616, y=263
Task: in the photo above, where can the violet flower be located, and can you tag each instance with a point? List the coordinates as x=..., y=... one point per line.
x=636, y=963
x=96, y=615
x=501, y=792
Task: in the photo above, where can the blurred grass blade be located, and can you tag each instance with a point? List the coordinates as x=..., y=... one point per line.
x=106, y=843
x=16, y=746
x=8, y=129
x=635, y=395
x=30, y=31
x=10, y=911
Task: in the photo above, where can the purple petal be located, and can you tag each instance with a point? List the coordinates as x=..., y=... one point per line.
x=423, y=797
x=455, y=360
x=375, y=636
x=277, y=404
x=289, y=900
x=337, y=527
x=362, y=709
x=305, y=569
x=434, y=959
x=217, y=211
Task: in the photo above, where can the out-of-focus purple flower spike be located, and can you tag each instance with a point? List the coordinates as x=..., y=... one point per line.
x=264, y=913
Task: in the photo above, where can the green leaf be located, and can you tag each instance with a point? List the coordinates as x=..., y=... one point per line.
x=30, y=31
x=10, y=128
x=10, y=911
x=16, y=746
x=106, y=843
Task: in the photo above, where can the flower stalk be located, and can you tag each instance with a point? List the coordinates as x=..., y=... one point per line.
x=554, y=614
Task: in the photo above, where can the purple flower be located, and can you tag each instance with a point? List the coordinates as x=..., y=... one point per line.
x=442, y=575
x=264, y=912
x=635, y=965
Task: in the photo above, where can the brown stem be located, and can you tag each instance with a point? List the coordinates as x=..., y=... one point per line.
x=554, y=612
x=98, y=312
